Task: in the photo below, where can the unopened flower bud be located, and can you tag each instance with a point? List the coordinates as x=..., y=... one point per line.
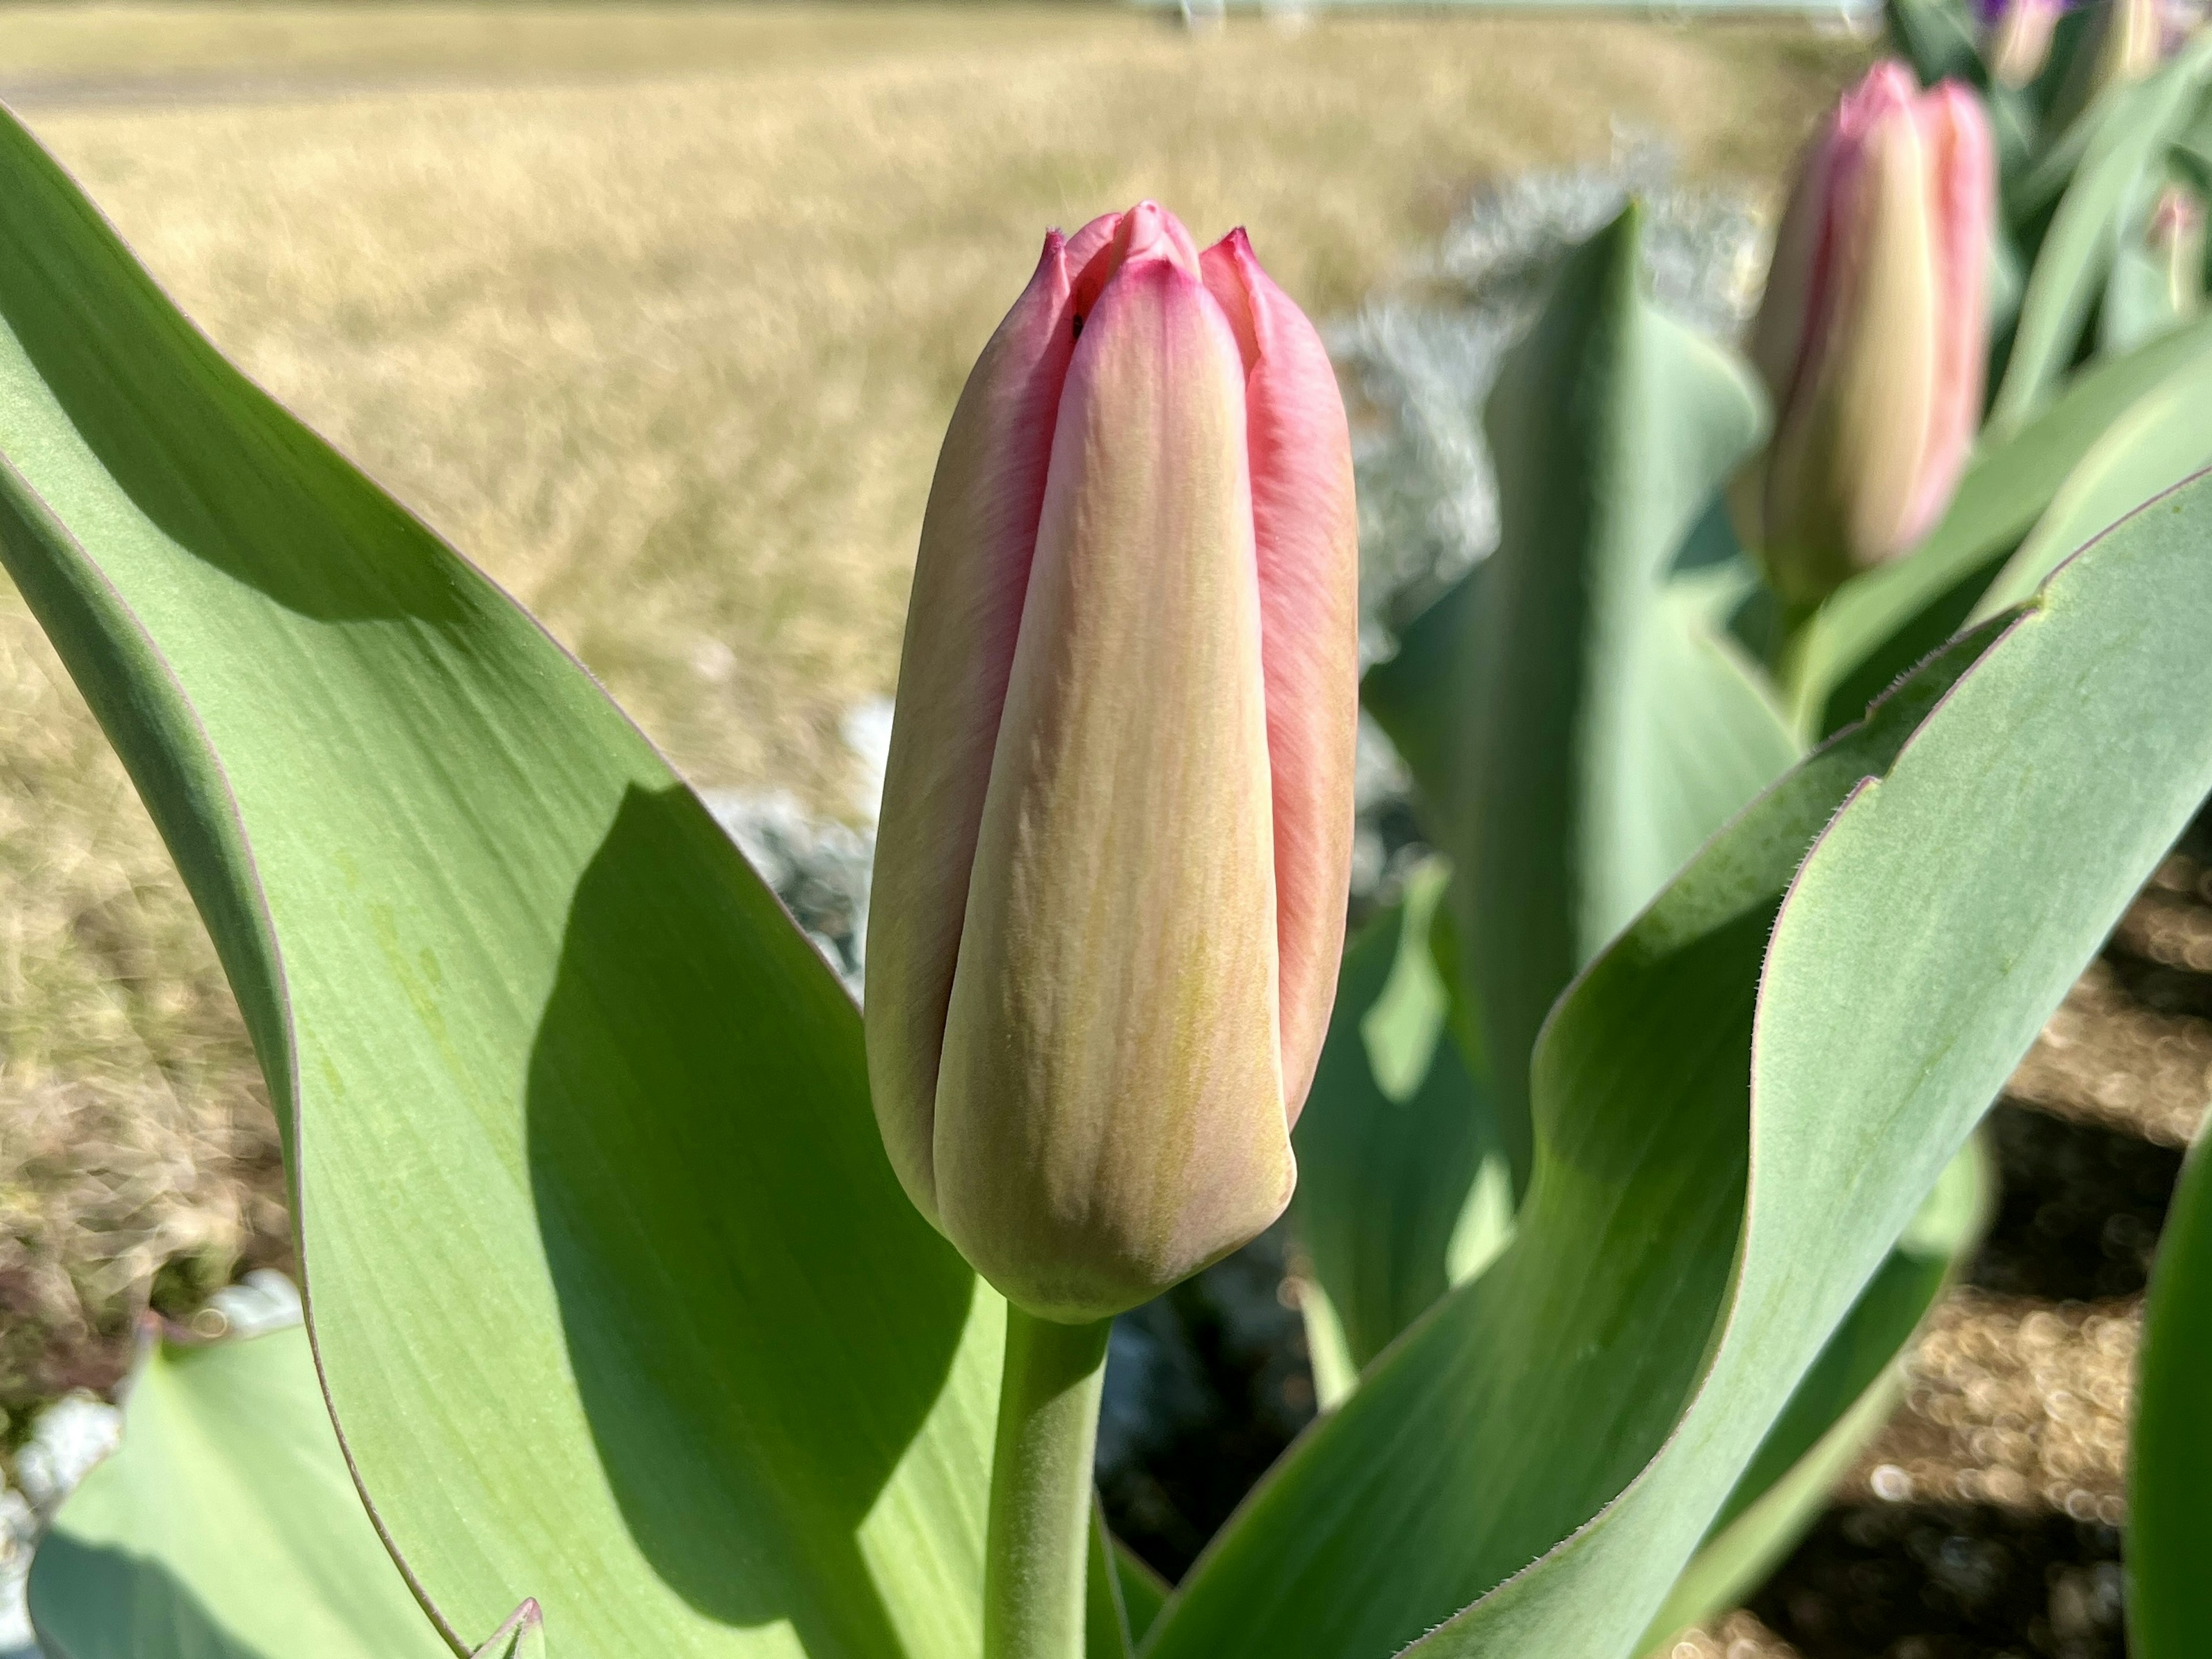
x=2016, y=37
x=2122, y=41
x=1110, y=877
x=1870, y=336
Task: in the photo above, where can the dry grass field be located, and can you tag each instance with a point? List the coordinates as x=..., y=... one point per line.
x=656, y=313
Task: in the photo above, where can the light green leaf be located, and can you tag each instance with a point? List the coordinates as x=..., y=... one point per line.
x=1842, y=1401
x=1391, y=1146
x=2162, y=439
x=2127, y=140
x=2170, y=1461
x=1611, y=731
x=617, y=1301
x=1424, y=696
x=1879, y=625
x=225, y=1526
x=1548, y=1447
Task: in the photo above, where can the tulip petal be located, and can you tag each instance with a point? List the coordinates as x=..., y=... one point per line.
x=1844, y=465
x=1307, y=534
x=969, y=578
x=1102, y=247
x=1961, y=153
x=1110, y=1112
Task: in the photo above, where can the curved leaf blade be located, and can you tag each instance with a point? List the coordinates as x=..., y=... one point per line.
x=2161, y=440
x=2128, y=138
x=1546, y=1449
x=1612, y=731
x=1396, y=1135
x=225, y=1526
x=616, y=1301
x=2170, y=1458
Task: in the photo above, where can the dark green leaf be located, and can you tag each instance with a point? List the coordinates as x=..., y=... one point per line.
x=2170, y=1464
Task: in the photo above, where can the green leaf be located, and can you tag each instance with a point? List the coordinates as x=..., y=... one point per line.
x=1396, y=1139
x=225, y=1526
x=1935, y=36
x=2170, y=1461
x=1424, y=696
x=618, y=1302
x=2162, y=439
x=1879, y=625
x=2128, y=138
x=1144, y=1592
x=1536, y=1461
x=1121, y=1595
x=1106, y=1633
x=1612, y=730
x=1842, y=1401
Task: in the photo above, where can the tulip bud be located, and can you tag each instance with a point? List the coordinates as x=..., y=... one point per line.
x=1871, y=333
x=1116, y=841
x=2175, y=236
x=2016, y=37
x=2122, y=41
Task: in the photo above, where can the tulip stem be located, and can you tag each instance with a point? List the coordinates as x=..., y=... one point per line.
x=1037, y=1545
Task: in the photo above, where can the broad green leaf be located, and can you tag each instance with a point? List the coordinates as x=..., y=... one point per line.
x=1879, y=625
x=1612, y=731
x=618, y=1302
x=1392, y=1145
x=225, y=1526
x=2129, y=132
x=2162, y=439
x=1842, y=1401
x=2170, y=1461
x=1424, y=696
x=1535, y=1462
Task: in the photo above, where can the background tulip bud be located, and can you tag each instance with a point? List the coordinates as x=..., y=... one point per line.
x=2122, y=41
x=1110, y=877
x=1870, y=336
x=2016, y=37
x=2175, y=236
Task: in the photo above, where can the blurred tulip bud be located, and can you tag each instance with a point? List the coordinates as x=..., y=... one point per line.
x=2122, y=41
x=1870, y=335
x=2175, y=235
x=2016, y=37
x=1116, y=832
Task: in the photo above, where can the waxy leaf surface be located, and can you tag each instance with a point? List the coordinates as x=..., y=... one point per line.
x=616, y=1300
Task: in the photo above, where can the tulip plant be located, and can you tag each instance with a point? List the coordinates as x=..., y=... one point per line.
x=1810, y=726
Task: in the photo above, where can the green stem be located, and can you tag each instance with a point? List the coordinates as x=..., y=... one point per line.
x=1037, y=1545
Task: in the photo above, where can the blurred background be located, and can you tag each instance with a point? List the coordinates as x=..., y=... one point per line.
x=658, y=314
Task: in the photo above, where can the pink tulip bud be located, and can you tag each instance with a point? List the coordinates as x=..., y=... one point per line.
x=1871, y=334
x=2122, y=41
x=2175, y=236
x=1116, y=832
x=2016, y=40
